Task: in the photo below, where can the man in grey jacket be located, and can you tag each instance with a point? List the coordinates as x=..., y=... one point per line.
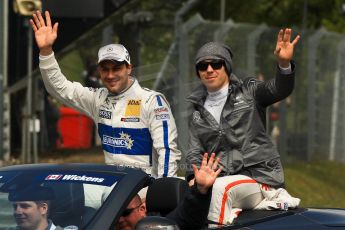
x=228, y=118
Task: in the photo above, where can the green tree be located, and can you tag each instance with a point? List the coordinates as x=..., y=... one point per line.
x=314, y=13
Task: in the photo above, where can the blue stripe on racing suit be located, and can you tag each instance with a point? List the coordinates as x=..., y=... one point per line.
x=166, y=141
x=125, y=140
x=167, y=149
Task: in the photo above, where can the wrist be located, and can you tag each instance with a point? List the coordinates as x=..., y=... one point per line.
x=284, y=64
x=202, y=189
x=46, y=51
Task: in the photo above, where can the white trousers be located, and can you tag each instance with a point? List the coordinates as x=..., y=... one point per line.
x=231, y=194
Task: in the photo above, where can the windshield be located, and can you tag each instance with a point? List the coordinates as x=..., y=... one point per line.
x=71, y=198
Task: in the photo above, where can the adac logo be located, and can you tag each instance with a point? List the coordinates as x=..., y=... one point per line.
x=134, y=102
x=124, y=141
x=133, y=108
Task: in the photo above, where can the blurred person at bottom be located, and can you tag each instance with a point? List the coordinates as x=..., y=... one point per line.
x=31, y=208
x=135, y=124
x=192, y=212
x=228, y=118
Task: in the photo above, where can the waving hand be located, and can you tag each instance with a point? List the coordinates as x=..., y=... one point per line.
x=284, y=48
x=45, y=33
x=207, y=174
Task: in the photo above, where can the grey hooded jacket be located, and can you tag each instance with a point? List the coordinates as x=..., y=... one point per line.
x=240, y=140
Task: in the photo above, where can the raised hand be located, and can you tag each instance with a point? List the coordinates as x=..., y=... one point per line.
x=207, y=174
x=284, y=48
x=45, y=33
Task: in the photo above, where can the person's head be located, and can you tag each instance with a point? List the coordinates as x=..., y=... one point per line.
x=31, y=207
x=136, y=210
x=114, y=67
x=31, y=215
x=213, y=65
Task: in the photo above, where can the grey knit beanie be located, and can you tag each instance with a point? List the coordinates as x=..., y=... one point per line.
x=215, y=50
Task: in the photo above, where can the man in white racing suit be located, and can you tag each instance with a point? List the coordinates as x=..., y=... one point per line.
x=135, y=124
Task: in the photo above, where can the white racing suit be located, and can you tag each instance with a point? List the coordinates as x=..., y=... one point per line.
x=232, y=194
x=137, y=128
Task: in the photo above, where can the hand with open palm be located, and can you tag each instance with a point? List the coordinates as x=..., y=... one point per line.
x=45, y=33
x=207, y=174
x=284, y=48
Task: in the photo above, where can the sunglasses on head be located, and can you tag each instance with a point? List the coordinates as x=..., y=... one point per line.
x=128, y=211
x=215, y=64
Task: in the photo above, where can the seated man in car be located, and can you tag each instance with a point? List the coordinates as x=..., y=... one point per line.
x=192, y=212
x=31, y=208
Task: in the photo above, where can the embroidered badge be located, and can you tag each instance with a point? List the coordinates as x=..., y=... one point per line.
x=104, y=114
x=133, y=108
x=130, y=119
x=124, y=141
x=164, y=116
